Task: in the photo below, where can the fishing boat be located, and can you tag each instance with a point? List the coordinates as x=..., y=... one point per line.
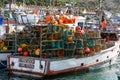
x=53, y=49
x=7, y=42
x=4, y=50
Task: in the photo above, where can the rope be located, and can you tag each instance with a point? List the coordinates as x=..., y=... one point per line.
x=3, y=64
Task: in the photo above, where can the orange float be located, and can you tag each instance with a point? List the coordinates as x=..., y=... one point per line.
x=69, y=38
x=60, y=21
x=47, y=18
x=103, y=24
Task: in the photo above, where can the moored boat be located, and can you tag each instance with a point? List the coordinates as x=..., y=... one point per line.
x=4, y=50
x=58, y=49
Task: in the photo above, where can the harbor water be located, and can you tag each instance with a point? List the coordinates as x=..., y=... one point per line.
x=103, y=73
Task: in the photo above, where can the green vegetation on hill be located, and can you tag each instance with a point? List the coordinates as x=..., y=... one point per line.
x=86, y=4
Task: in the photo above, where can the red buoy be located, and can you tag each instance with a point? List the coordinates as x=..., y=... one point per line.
x=82, y=32
x=107, y=39
x=19, y=49
x=78, y=28
x=87, y=50
x=25, y=53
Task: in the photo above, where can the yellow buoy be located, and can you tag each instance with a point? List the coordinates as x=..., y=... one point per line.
x=23, y=45
x=4, y=48
x=1, y=45
x=37, y=52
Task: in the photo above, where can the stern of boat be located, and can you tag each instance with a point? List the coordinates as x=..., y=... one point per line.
x=29, y=66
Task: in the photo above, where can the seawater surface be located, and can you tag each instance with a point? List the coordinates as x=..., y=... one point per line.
x=104, y=73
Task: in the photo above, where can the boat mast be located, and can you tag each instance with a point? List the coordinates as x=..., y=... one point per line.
x=100, y=11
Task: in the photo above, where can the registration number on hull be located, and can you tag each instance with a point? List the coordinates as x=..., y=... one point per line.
x=26, y=62
x=31, y=66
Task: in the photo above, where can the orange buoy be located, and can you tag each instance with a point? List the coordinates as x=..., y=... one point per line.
x=60, y=21
x=69, y=38
x=37, y=52
x=103, y=23
x=47, y=18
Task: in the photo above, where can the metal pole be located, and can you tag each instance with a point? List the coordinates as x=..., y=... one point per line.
x=16, y=35
x=40, y=41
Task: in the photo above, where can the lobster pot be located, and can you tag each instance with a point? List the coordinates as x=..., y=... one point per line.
x=60, y=28
x=90, y=42
x=78, y=35
x=44, y=37
x=86, y=35
x=85, y=44
x=57, y=44
x=49, y=30
x=60, y=44
x=97, y=42
x=44, y=29
x=54, y=53
x=98, y=34
x=79, y=51
x=54, y=36
x=95, y=34
x=38, y=28
x=50, y=36
x=64, y=35
x=45, y=55
x=69, y=45
x=91, y=34
x=68, y=52
x=92, y=50
x=102, y=41
x=97, y=48
x=109, y=44
x=57, y=36
x=54, y=28
x=79, y=43
x=60, y=53
x=103, y=46
x=49, y=45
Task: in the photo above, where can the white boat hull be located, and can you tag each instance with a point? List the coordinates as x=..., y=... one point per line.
x=45, y=67
x=3, y=59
